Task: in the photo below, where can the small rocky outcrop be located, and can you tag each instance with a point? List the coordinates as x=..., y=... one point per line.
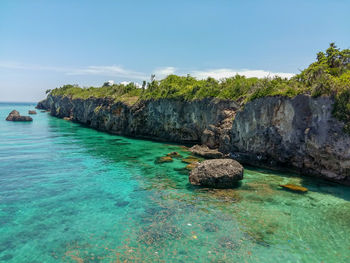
x=15, y=116
x=164, y=159
x=191, y=166
x=206, y=152
x=190, y=159
x=294, y=188
x=218, y=173
x=31, y=112
x=174, y=155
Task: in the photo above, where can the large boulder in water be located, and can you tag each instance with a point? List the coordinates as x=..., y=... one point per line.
x=217, y=173
x=15, y=116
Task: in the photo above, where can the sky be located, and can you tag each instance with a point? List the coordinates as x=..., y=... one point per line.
x=46, y=44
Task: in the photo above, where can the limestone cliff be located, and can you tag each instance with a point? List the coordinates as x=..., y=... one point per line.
x=276, y=132
x=298, y=133
x=167, y=120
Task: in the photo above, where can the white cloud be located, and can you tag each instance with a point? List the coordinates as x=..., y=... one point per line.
x=127, y=82
x=219, y=73
x=226, y=73
x=163, y=72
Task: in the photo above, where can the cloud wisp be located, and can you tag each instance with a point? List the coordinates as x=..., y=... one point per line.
x=220, y=73
x=163, y=72
x=108, y=71
x=126, y=74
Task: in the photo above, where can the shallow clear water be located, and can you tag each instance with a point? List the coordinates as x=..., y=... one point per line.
x=73, y=194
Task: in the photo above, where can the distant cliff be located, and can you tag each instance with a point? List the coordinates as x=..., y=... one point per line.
x=297, y=133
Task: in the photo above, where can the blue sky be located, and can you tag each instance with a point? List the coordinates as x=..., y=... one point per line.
x=45, y=44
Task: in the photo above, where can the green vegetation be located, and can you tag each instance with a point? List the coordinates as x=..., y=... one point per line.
x=129, y=93
x=329, y=75
x=237, y=88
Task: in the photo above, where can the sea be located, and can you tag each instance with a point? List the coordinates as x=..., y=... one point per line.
x=69, y=193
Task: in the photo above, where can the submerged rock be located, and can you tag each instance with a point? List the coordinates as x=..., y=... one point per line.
x=210, y=227
x=190, y=159
x=183, y=171
x=164, y=159
x=295, y=188
x=218, y=173
x=191, y=166
x=15, y=116
x=174, y=154
x=159, y=233
x=228, y=243
x=121, y=203
x=206, y=152
x=184, y=148
x=31, y=112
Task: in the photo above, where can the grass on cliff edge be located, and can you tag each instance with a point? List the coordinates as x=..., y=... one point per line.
x=328, y=75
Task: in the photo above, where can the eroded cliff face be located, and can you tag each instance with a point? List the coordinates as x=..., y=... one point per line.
x=168, y=120
x=298, y=134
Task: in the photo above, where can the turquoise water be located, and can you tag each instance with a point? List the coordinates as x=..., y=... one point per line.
x=73, y=194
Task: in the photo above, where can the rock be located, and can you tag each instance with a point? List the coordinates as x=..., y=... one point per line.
x=191, y=166
x=295, y=188
x=190, y=159
x=174, y=154
x=67, y=118
x=218, y=173
x=210, y=227
x=204, y=151
x=121, y=203
x=184, y=148
x=15, y=116
x=159, y=233
x=228, y=243
x=31, y=112
x=164, y=159
x=300, y=133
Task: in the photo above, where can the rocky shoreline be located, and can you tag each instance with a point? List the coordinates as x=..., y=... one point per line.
x=298, y=134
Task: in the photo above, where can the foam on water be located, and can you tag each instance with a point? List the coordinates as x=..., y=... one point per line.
x=73, y=194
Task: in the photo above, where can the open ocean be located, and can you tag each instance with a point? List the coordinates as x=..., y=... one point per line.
x=73, y=194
